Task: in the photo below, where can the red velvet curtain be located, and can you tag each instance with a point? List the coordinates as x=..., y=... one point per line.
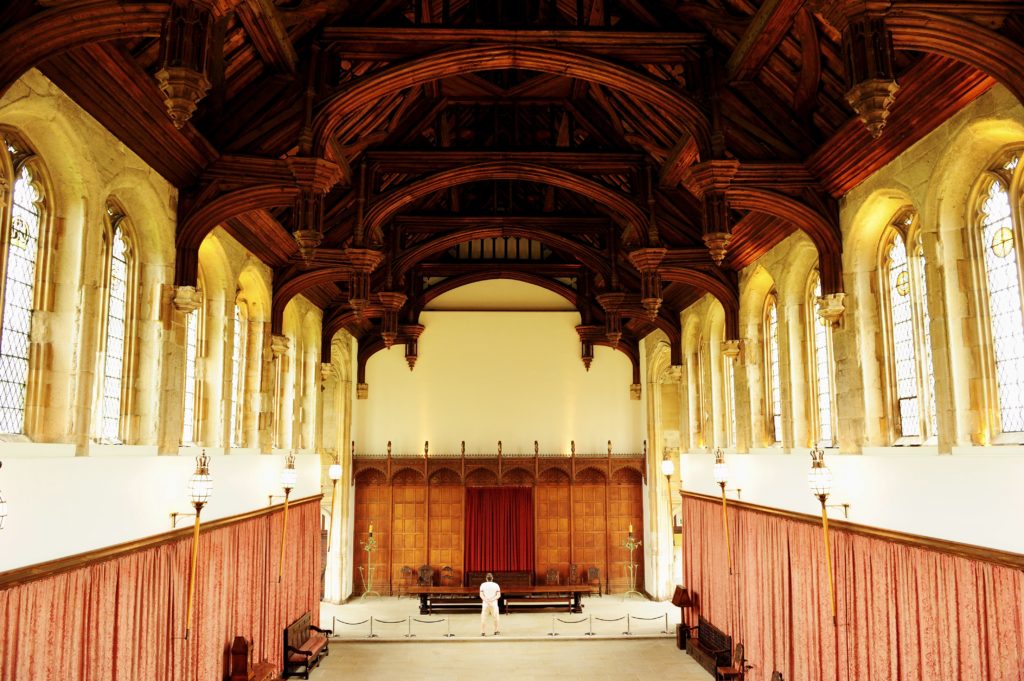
x=499, y=528
x=123, y=619
x=905, y=612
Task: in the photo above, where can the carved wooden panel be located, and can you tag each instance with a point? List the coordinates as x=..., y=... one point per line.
x=481, y=477
x=552, y=529
x=589, y=526
x=625, y=508
x=446, y=518
x=372, y=505
x=409, y=541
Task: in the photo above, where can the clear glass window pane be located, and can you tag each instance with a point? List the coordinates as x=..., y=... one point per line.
x=929, y=367
x=822, y=372
x=19, y=292
x=730, y=396
x=773, y=363
x=113, y=358
x=1007, y=322
x=904, y=353
x=188, y=434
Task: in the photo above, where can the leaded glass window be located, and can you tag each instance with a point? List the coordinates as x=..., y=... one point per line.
x=823, y=383
x=911, y=373
x=19, y=294
x=1002, y=279
x=730, y=399
x=116, y=325
x=237, y=378
x=188, y=432
x=774, y=382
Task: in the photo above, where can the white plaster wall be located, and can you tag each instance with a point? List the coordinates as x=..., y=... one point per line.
x=488, y=376
x=970, y=497
x=111, y=499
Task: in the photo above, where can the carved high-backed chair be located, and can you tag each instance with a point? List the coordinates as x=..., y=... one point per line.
x=552, y=577
x=736, y=670
x=406, y=580
x=776, y=676
x=447, y=575
x=574, y=576
x=425, y=576
x=594, y=578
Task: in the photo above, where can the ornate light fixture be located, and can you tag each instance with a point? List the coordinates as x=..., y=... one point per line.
x=3, y=505
x=200, y=487
x=334, y=473
x=722, y=478
x=289, y=476
x=820, y=481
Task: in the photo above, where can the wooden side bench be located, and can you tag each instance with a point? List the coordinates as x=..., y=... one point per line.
x=242, y=666
x=546, y=601
x=712, y=648
x=304, y=645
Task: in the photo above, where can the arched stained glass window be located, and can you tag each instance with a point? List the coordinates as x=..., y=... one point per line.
x=26, y=213
x=237, y=377
x=112, y=376
x=188, y=431
x=824, y=387
x=911, y=378
x=773, y=381
x=1001, y=261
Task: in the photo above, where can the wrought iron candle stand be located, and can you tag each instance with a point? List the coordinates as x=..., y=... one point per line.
x=631, y=545
x=369, y=545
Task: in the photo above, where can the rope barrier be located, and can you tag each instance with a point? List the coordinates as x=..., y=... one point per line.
x=617, y=619
x=374, y=619
x=351, y=624
x=416, y=619
x=579, y=621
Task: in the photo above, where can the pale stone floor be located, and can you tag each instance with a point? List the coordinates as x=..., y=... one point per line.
x=523, y=652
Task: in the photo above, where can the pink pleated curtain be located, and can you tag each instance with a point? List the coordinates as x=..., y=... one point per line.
x=905, y=613
x=123, y=619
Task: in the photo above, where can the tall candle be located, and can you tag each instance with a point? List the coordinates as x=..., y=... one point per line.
x=631, y=528
x=371, y=529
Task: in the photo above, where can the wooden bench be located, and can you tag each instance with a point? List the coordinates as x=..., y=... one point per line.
x=304, y=645
x=711, y=648
x=540, y=601
x=242, y=667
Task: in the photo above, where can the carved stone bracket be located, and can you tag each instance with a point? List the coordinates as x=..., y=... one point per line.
x=362, y=391
x=831, y=307
x=279, y=345
x=731, y=348
x=635, y=391
x=672, y=374
x=327, y=373
x=647, y=260
x=187, y=298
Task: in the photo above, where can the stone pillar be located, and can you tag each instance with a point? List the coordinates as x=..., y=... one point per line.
x=278, y=348
x=732, y=351
x=183, y=301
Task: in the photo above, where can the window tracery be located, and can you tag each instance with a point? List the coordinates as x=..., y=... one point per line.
x=821, y=367
x=238, y=375
x=188, y=431
x=115, y=329
x=773, y=381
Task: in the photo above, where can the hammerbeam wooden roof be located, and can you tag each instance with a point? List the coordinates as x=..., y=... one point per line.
x=569, y=142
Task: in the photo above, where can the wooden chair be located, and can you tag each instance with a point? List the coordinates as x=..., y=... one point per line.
x=736, y=670
x=574, y=576
x=447, y=575
x=425, y=576
x=406, y=580
x=594, y=578
x=776, y=676
x=552, y=577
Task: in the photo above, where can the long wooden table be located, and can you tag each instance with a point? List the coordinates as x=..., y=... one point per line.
x=437, y=597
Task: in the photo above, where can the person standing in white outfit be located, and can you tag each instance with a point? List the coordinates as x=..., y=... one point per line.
x=490, y=592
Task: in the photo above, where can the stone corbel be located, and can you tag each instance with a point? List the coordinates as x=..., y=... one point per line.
x=279, y=345
x=672, y=374
x=731, y=349
x=635, y=391
x=327, y=374
x=831, y=307
x=362, y=391
x=187, y=299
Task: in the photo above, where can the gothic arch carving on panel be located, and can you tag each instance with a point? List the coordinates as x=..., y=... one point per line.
x=591, y=475
x=371, y=476
x=627, y=475
x=517, y=476
x=481, y=477
x=445, y=476
x=407, y=476
x=553, y=476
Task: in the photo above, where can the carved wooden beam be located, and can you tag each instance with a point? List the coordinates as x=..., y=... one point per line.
x=431, y=224
x=418, y=162
x=389, y=44
x=263, y=23
x=770, y=24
